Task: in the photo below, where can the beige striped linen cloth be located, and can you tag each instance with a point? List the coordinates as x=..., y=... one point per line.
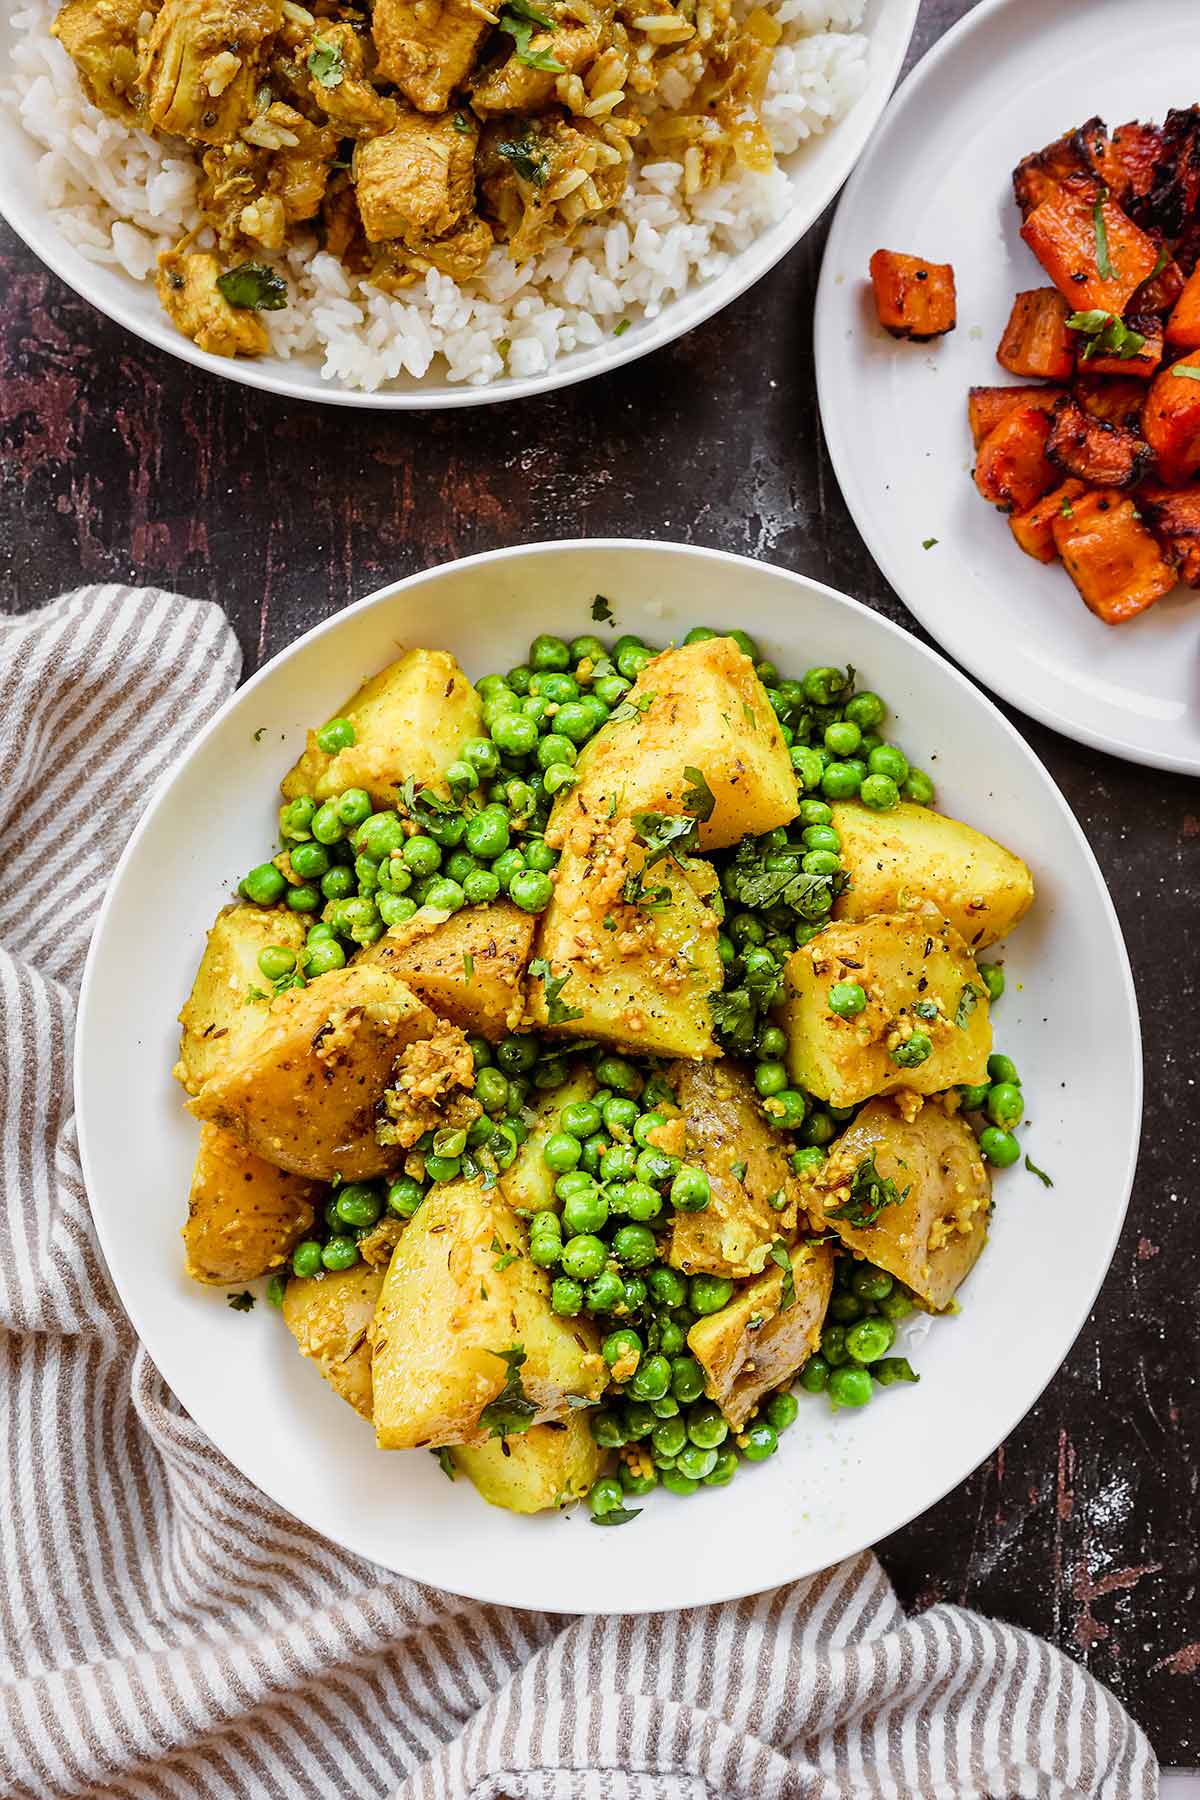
x=167, y=1632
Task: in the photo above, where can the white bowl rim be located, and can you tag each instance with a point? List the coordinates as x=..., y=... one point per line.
x=32, y=223
x=160, y=794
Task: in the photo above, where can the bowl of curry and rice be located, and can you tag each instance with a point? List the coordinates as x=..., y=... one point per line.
x=429, y=202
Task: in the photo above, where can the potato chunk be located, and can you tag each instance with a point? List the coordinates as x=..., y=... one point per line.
x=304, y=1091
x=898, y=859
x=418, y=179
x=635, y=974
x=547, y=1466
x=200, y=65
x=753, y=1193
x=228, y=1002
x=528, y=1185
x=452, y=1309
x=244, y=1215
x=931, y=1235
x=757, y=1341
x=411, y=719
x=330, y=1317
x=919, y=979
x=469, y=966
x=701, y=707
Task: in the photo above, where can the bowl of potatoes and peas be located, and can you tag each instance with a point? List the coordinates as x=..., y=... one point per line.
x=601, y=1068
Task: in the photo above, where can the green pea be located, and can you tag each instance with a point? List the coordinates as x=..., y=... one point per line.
x=606, y=1496
x=1005, y=1104
x=422, y=855
x=304, y=898
x=447, y=829
x=824, y=686
x=807, y=1161
x=443, y=1168
x=633, y=659
x=519, y=678
x=310, y=861
x=690, y=1190
x=843, y=737
x=306, y=1259
x=849, y=1386
x=991, y=975
x=539, y=855
x=580, y=1119
x=620, y=1346
x=337, y=735
x=584, y=1257
x=652, y=1380
x=896, y=1305
x=667, y=1286
x=821, y=862
x=845, y=1308
x=404, y=1196
x=669, y=1437
x=459, y=864
x=339, y=1253
x=566, y=1295
x=445, y=895
x=709, y=1293
x=687, y=1379
x=1003, y=1068
x=654, y=1166
x=642, y=1202
x=620, y=1116
x=870, y=1339
x=263, y=885
x=870, y=1283
x=322, y=958
x=999, y=1147
x=892, y=1369
x=636, y=1483
x=879, y=793
x=677, y=1483
x=671, y=1338
x=353, y=807
x=781, y=1410
x=584, y=1212
x=833, y=1345
x=761, y=1441
x=915, y=1050
x=814, y=1376
x=634, y=1246
x=786, y=1109
x=974, y=1098
x=807, y=765
x=561, y=1152
x=700, y=634
x=866, y=710
x=296, y=818
x=547, y=653
x=575, y=720
x=275, y=961
x=531, y=890
x=840, y=781
x=514, y=733
x=917, y=787
x=770, y=1078
x=621, y=1076
x=695, y=1463
x=723, y=1470
x=846, y=998
x=610, y=690
x=606, y=1428
x=606, y=1293
x=617, y=1163
x=706, y=1426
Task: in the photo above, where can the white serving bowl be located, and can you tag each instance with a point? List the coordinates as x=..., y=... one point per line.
x=817, y=170
x=1068, y=1017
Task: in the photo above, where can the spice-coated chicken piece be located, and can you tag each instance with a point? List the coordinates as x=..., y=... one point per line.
x=428, y=47
x=513, y=86
x=418, y=180
x=338, y=83
x=187, y=287
x=201, y=62
x=101, y=38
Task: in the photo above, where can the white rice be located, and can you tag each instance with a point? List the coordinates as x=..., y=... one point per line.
x=120, y=198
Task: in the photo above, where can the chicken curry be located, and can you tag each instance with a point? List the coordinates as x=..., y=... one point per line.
x=412, y=134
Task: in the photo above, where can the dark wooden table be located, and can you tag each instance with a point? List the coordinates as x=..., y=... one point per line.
x=122, y=464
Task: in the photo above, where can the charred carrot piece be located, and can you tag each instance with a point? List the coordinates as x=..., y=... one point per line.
x=1011, y=469
x=986, y=406
x=914, y=298
x=1171, y=420
x=1092, y=251
x=1037, y=341
x=1111, y=556
x=1034, y=529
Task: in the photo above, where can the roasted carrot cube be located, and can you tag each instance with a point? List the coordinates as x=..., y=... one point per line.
x=986, y=406
x=1011, y=469
x=1034, y=529
x=1175, y=190
x=1036, y=339
x=1173, y=514
x=1171, y=420
x=1183, y=326
x=1159, y=294
x=1085, y=151
x=1094, y=450
x=1075, y=233
x=1111, y=397
x=914, y=298
x=1111, y=557
x=1144, y=362
x=1137, y=148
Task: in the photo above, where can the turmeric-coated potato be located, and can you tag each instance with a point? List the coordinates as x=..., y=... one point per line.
x=910, y=1193
x=244, y=1215
x=330, y=1317
x=304, y=1092
x=546, y=1466
x=766, y=1333
x=230, y=995
x=411, y=719
x=903, y=858
x=631, y=949
x=923, y=1019
x=465, y=1318
x=753, y=1194
x=701, y=707
x=469, y=966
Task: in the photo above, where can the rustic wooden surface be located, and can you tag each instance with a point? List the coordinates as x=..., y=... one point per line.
x=121, y=463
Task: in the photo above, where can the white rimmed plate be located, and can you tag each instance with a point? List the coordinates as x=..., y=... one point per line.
x=1010, y=77
x=1069, y=1018
x=817, y=171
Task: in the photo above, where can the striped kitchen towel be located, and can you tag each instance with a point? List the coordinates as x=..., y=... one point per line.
x=166, y=1631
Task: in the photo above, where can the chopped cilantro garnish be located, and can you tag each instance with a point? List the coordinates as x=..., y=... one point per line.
x=698, y=799
x=620, y=1515
x=254, y=286
x=928, y=543
x=552, y=987
x=1040, y=1173
x=1104, y=266
x=519, y=20
x=750, y=883
x=445, y=1462
x=1188, y=371
x=1106, y=334
x=260, y=734
x=738, y=1171
x=602, y=612
x=511, y=1412
x=1067, y=510
x=664, y=835
x=325, y=64
x=870, y=1192
x=461, y=123
x=468, y=965
x=968, y=1000
x=526, y=157
x=255, y=997
x=787, y=1292
x=621, y=327
x=243, y=1302
x=503, y=1257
